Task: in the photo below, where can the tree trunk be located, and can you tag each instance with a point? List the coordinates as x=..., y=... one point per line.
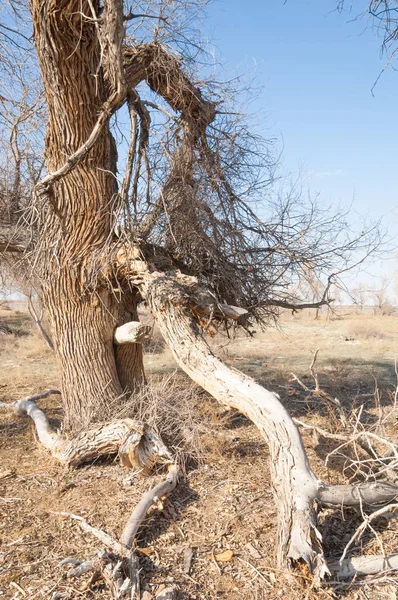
x=77, y=213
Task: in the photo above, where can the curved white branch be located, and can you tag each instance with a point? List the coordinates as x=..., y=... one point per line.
x=150, y=497
x=48, y=438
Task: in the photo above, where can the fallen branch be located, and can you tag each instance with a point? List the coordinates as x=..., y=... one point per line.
x=106, y=539
x=364, y=525
x=381, y=465
x=370, y=492
x=364, y=565
x=121, y=568
x=319, y=393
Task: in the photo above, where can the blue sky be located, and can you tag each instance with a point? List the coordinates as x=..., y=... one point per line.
x=316, y=68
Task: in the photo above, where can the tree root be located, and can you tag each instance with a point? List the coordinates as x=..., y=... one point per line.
x=138, y=446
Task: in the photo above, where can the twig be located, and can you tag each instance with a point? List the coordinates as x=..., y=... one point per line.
x=105, y=538
x=361, y=529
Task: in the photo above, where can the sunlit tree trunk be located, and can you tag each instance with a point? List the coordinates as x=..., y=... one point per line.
x=77, y=213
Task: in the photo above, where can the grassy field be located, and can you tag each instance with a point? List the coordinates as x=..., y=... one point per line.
x=225, y=499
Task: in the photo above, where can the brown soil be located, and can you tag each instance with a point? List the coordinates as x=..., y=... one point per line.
x=223, y=502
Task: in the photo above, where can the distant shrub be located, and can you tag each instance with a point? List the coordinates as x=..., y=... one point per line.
x=364, y=331
x=5, y=329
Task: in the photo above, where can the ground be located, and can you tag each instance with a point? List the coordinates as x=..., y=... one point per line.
x=224, y=500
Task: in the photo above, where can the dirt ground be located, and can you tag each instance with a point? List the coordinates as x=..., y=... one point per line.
x=224, y=500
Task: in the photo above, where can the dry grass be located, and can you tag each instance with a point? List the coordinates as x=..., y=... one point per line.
x=225, y=499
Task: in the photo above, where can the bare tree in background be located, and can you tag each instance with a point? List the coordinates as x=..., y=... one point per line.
x=359, y=295
x=379, y=293
x=187, y=221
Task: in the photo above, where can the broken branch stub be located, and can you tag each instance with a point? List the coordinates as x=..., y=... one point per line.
x=133, y=332
x=219, y=310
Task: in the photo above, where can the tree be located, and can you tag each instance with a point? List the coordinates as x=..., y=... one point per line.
x=382, y=302
x=182, y=230
x=383, y=16
x=359, y=294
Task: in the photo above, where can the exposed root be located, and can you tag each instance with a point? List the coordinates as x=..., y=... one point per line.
x=137, y=445
x=162, y=489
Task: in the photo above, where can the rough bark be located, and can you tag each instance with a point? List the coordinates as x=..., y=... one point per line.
x=77, y=199
x=137, y=445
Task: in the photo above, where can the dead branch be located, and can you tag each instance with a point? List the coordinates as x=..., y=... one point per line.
x=364, y=525
x=106, y=539
x=323, y=432
x=45, y=184
x=295, y=485
x=370, y=493
x=38, y=321
x=14, y=238
x=121, y=569
x=318, y=392
x=364, y=565
x=162, y=71
x=169, y=593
